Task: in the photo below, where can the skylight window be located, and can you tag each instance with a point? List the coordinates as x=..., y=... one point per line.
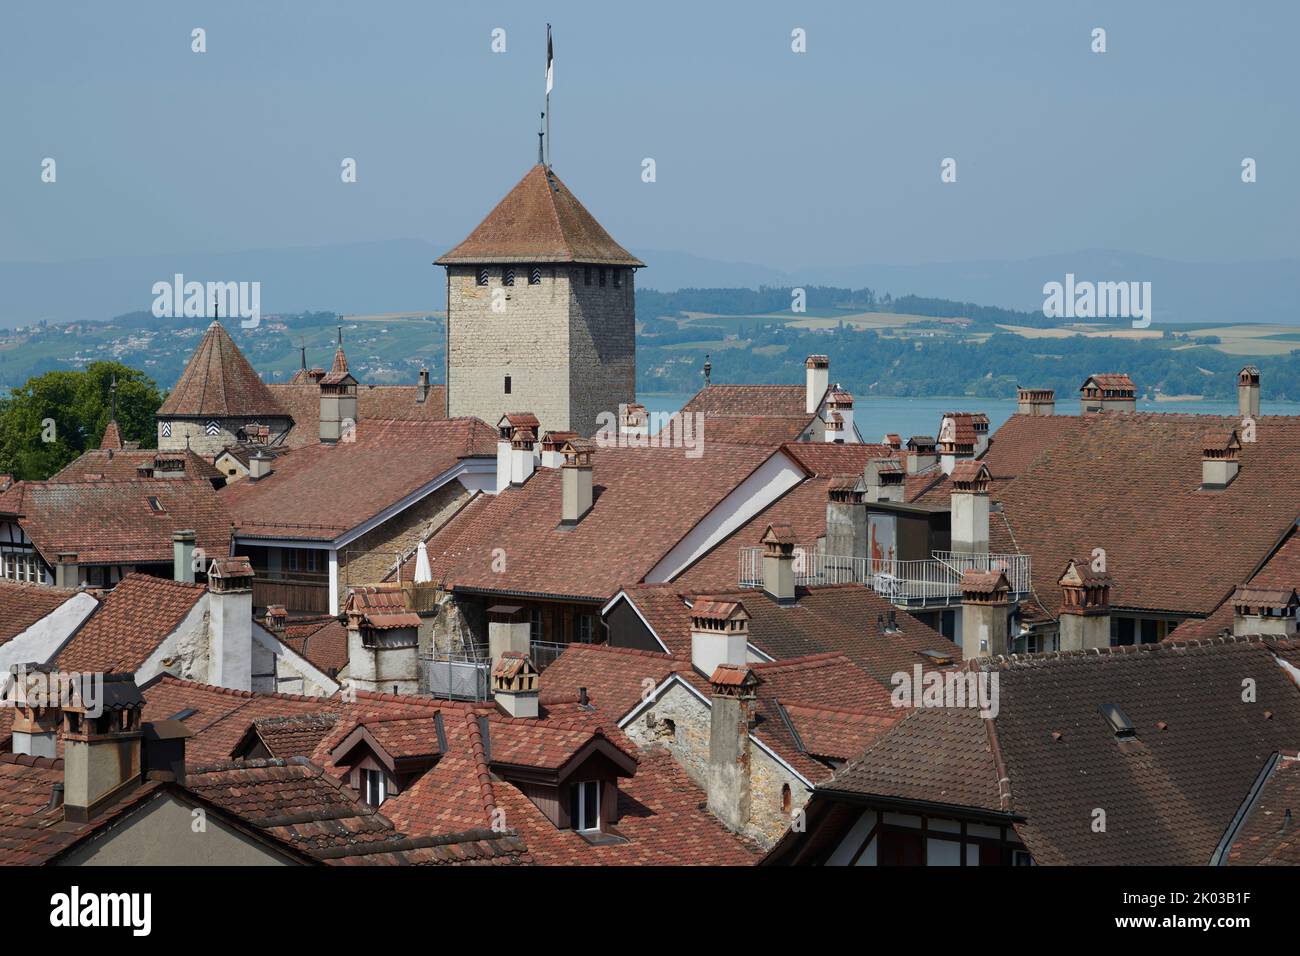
x=1118, y=720
x=156, y=505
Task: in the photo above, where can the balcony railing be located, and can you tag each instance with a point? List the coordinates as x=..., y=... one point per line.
x=936, y=580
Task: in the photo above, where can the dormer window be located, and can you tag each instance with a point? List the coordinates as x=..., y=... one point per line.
x=374, y=787
x=584, y=806
x=483, y=276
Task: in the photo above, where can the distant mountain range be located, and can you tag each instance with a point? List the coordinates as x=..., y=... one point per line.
x=398, y=276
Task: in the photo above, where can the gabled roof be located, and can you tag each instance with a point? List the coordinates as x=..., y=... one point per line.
x=301, y=399
x=131, y=623
x=100, y=463
x=747, y=401
x=1269, y=834
x=219, y=382
x=22, y=605
x=539, y=221
x=646, y=500
x=321, y=491
x=114, y=521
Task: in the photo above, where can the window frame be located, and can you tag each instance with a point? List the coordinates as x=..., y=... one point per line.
x=578, y=805
x=375, y=780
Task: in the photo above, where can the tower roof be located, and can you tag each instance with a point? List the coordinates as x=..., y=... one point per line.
x=219, y=381
x=539, y=221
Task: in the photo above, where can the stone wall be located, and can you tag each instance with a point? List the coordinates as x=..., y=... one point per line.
x=210, y=446
x=369, y=559
x=602, y=347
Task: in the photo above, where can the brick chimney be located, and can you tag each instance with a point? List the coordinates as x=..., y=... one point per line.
x=422, y=387
x=732, y=713
x=778, y=563
x=921, y=453
x=37, y=715
x=970, y=507
x=1269, y=611
x=633, y=424
x=576, y=474
x=552, y=446
x=516, y=448
x=1107, y=392
x=230, y=623
x=1220, y=461
x=1085, y=607
x=884, y=480
x=183, y=556
x=102, y=734
x=985, y=600
x=719, y=635
x=508, y=630
x=514, y=684
x=1248, y=392
x=846, y=517
x=818, y=378
x=1038, y=402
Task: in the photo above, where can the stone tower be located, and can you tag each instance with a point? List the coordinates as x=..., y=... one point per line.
x=540, y=312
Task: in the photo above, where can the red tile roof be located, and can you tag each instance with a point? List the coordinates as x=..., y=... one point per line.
x=219, y=381
x=539, y=221
x=112, y=522
x=130, y=624
x=324, y=642
x=645, y=501
x=319, y=492
x=1270, y=834
x=98, y=464
x=386, y=402
x=747, y=401
x=22, y=605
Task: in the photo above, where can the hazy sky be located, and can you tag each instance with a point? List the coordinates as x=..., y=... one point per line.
x=763, y=155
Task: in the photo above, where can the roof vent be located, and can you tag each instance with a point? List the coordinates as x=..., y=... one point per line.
x=1118, y=720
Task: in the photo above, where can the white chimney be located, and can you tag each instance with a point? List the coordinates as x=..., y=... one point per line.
x=576, y=475
x=1220, y=461
x=36, y=719
x=259, y=465
x=778, y=563
x=1248, y=392
x=819, y=375
x=719, y=635
x=230, y=623
x=516, y=444
x=1268, y=611
x=1085, y=607
x=884, y=480
x=553, y=448
x=985, y=601
x=840, y=403
x=970, y=507
x=183, y=556
x=514, y=685
x=508, y=630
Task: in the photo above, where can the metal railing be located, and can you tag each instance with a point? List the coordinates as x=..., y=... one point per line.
x=458, y=675
x=936, y=580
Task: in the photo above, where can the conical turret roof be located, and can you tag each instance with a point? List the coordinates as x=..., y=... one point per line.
x=219, y=382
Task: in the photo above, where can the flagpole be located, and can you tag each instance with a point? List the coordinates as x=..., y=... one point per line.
x=549, y=75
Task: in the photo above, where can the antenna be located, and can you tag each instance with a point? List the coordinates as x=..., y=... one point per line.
x=302, y=347
x=541, y=159
x=550, y=81
x=112, y=392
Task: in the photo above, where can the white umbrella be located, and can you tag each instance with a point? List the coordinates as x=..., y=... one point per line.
x=423, y=573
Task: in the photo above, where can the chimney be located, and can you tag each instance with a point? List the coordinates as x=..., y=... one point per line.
x=970, y=507
x=168, y=466
x=985, y=600
x=576, y=479
x=1220, y=461
x=719, y=635
x=1038, y=402
x=841, y=402
x=422, y=387
x=818, y=376
x=980, y=422
x=846, y=517
x=1107, y=392
x=383, y=639
x=516, y=458
x=101, y=742
x=514, y=684
x=508, y=631
x=1085, y=607
x=36, y=710
x=277, y=618
x=230, y=623
x=884, y=480
x=338, y=399
x=553, y=448
x=957, y=438
x=259, y=465
x=778, y=563
x=833, y=428
x=183, y=556
x=633, y=425
x=1270, y=611
x=67, y=574
x=1248, y=392
x=732, y=711
x=921, y=453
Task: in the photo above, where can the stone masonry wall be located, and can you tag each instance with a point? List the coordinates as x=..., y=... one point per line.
x=369, y=559
x=602, y=347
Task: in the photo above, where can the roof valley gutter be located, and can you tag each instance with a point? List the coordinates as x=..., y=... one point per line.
x=1220, y=857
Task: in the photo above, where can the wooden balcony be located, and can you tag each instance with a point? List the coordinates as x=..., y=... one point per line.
x=300, y=594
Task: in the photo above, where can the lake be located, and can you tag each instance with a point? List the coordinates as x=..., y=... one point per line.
x=920, y=416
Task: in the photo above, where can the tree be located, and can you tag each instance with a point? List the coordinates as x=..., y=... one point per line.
x=52, y=418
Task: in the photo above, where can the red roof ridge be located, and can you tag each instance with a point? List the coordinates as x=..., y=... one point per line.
x=631, y=651
x=479, y=754
x=881, y=713
x=27, y=760
x=1016, y=661
x=800, y=663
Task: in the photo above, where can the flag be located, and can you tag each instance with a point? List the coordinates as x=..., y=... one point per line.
x=550, y=57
